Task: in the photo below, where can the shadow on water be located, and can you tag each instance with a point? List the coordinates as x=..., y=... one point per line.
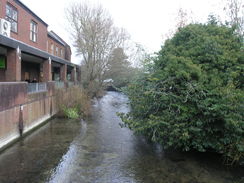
x=99, y=151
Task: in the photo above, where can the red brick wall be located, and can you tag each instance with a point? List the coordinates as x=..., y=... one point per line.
x=13, y=72
x=56, y=44
x=68, y=53
x=24, y=19
x=2, y=75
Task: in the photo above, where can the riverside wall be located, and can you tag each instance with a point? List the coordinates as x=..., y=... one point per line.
x=20, y=111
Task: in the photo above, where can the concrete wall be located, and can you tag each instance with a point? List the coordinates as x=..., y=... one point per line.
x=20, y=110
x=12, y=94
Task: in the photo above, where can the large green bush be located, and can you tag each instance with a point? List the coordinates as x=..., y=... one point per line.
x=193, y=97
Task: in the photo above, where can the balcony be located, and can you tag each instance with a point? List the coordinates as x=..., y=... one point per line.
x=71, y=84
x=59, y=84
x=36, y=87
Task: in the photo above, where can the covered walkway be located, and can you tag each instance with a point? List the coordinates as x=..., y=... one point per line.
x=21, y=62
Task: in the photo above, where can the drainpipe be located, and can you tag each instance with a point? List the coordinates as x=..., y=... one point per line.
x=51, y=106
x=21, y=121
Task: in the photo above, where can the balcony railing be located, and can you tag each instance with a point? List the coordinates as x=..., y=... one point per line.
x=59, y=84
x=70, y=84
x=36, y=87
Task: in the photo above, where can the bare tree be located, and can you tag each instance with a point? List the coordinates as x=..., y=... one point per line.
x=182, y=18
x=235, y=12
x=95, y=38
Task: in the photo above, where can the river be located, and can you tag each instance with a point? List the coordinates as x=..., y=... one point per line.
x=98, y=150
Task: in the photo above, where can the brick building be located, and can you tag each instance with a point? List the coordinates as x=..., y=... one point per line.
x=34, y=63
x=28, y=52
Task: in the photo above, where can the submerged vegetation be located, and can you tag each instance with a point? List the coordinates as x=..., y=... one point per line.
x=73, y=104
x=191, y=97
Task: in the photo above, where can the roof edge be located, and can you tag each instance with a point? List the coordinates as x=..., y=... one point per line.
x=13, y=43
x=49, y=33
x=30, y=11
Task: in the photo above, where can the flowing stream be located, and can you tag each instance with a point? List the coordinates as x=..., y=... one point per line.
x=98, y=150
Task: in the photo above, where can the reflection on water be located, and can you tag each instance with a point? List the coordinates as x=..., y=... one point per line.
x=33, y=159
x=99, y=151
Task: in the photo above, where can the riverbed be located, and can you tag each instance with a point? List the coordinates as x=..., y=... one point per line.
x=98, y=150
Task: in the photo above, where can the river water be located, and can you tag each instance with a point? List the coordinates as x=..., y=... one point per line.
x=99, y=151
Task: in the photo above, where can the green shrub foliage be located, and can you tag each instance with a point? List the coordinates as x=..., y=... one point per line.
x=193, y=97
x=71, y=113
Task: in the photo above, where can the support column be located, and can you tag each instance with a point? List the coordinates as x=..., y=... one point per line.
x=47, y=70
x=63, y=73
x=13, y=72
x=73, y=75
x=78, y=74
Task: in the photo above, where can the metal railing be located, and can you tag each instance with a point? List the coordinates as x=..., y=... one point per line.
x=59, y=84
x=70, y=84
x=36, y=87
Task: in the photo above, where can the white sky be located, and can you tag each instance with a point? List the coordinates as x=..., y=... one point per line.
x=145, y=20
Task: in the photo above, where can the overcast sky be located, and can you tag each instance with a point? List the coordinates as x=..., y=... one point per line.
x=145, y=20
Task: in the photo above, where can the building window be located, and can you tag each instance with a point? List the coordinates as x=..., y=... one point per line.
x=33, y=31
x=61, y=53
x=56, y=51
x=52, y=49
x=12, y=17
x=3, y=63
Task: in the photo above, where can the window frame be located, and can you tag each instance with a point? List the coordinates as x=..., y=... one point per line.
x=52, y=48
x=57, y=51
x=33, y=31
x=5, y=62
x=61, y=52
x=11, y=18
